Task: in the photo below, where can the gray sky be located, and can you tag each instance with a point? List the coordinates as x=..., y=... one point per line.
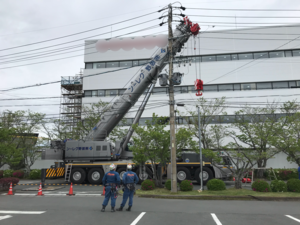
x=25, y=22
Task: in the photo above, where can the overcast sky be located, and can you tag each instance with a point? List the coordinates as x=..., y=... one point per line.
x=27, y=22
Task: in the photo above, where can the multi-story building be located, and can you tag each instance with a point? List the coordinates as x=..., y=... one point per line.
x=255, y=65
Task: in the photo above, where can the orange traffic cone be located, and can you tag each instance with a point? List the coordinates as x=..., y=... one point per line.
x=103, y=193
x=10, y=192
x=40, y=193
x=233, y=179
x=71, y=190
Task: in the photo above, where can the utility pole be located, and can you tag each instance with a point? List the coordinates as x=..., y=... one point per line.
x=172, y=103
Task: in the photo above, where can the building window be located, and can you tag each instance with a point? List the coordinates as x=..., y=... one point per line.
x=94, y=93
x=99, y=65
x=210, y=88
x=280, y=85
x=177, y=89
x=88, y=93
x=245, y=56
x=261, y=55
x=237, y=87
x=111, y=92
x=126, y=64
x=288, y=53
x=208, y=58
x=234, y=57
x=298, y=83
x=196, y=59
x=223, y=57
x=292, y=83
x=135, y=63
x=112, y=64
x=276, y=54
x=249, y=86
x=225, y=87
x=296, y=53
x=191, y=89
x=101, y=93
x=261, y=86
x=142, y=121
x=184, y=89
x=121, y=91
x=143, y=62
x=227, y=119
x=89, y=65
x=159, y=91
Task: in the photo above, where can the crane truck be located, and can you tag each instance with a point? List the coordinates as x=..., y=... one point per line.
x=89, y=159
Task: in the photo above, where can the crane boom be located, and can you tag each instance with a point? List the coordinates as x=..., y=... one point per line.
x=146, y=75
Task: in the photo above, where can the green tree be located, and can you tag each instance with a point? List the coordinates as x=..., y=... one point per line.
x=9, y=153
x=152, y=142
x=287, y=138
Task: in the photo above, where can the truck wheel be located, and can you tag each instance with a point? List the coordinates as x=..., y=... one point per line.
x=207, y=175
x=78, y=175
x=183, y=174
x=121, y=171
x=95, y=176
x=147, y=175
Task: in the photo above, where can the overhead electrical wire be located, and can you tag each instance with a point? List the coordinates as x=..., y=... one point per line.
x=272, y=10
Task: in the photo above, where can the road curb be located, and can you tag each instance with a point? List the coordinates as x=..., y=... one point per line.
x=220, y=197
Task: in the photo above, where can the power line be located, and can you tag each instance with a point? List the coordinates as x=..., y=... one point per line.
x=275, y=10
x=264, y=17
x=39, y=42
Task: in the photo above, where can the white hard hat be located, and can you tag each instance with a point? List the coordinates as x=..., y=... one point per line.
x=112, y=166
x=129, y=166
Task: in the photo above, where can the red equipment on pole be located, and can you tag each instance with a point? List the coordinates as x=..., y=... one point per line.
x=40, y=193
x=71, y=190
x=199, y=87
x=10, y=191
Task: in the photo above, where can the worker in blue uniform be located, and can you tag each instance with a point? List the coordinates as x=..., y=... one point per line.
x=130, y=179
x=110, y=181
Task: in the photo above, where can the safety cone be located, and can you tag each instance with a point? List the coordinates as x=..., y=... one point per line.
x=40, y=193
x=248, y=180
x=244, y=180
x=71, y=190
x=103, y=193
x=233, y=179
x=10, y=192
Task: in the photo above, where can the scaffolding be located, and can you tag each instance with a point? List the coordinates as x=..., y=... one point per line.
x=71, y=101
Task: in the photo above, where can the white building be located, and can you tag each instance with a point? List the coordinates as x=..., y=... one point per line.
x=244, y=65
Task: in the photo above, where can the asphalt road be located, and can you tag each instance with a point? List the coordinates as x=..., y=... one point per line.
x=64, y=210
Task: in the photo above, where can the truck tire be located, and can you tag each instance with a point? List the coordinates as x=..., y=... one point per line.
x=148, y=175
x=207, y=175
x=183, y=174
x=121, y=172
x=77, y=175
x=95, y=176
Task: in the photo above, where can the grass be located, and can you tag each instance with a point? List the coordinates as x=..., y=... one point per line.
x=228, y=192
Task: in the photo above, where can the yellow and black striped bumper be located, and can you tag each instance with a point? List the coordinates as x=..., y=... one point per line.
x=55, y=173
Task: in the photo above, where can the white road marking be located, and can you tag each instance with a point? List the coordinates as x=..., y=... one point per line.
x=216, y=219
x=138, y=218
x=21, y=212
x=293, y=218
x=4, y=217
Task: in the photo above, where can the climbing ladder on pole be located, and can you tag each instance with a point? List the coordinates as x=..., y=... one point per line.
x=68, y=172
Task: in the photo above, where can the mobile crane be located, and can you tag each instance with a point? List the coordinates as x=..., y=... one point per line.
x=89, y=159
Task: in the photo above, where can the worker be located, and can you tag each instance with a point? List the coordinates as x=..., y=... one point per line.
x=110, y=181
x=130, y=179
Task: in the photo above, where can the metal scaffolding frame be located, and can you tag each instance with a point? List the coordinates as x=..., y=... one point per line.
x=71, y=100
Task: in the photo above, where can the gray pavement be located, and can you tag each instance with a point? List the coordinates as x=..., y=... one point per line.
x=64, y=210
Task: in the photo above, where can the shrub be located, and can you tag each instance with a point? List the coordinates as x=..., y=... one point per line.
x=216, y=185
x=1, y=174
x=186, y=185
x=5, y=182
x=293, y=185
x=35, y=174
x=168, y=185
x=278, y=186
x=261, y=186
x=18, y=174
x=147, y=185
x=8, y=173
x=282, y=174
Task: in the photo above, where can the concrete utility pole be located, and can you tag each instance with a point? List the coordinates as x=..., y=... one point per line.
x=172, y=102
